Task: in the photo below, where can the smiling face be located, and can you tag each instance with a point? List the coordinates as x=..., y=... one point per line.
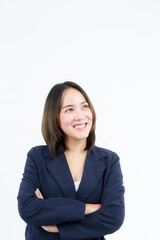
x=75, y=115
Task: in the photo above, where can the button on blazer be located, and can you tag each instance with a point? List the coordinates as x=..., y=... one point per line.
x=102, y=182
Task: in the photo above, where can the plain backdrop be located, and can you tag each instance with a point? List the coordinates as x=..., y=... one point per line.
x=110, y=48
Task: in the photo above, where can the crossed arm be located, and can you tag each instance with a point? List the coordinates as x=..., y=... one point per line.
x=49, y=228
x=70, y=217
x=89, y=208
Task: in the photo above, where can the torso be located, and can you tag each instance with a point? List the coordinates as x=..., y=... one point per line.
x=76, y=164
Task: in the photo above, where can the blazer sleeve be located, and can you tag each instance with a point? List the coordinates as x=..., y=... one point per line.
x=108, y=218
x=43, y=212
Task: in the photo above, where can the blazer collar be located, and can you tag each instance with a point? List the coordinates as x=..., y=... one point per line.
x=93, y=169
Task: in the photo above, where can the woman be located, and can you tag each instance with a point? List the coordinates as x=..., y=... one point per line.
x=71, y=189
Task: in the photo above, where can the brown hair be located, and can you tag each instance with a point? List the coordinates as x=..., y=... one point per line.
x=51, y=131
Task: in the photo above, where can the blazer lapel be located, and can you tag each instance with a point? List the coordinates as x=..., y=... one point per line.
x=93, y=170
x=59, y=169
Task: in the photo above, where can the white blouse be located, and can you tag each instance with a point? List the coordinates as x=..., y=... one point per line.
x=76, y=184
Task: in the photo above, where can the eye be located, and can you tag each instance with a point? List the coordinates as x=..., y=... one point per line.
x=85, y=106
x=69, y=110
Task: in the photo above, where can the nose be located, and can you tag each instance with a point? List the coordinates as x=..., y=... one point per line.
x=78, y=114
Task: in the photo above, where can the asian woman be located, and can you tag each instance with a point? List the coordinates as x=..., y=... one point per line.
x=71, y=189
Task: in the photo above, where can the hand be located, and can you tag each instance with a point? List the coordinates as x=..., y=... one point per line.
x=50, y=228
x=90, y=208
x=39, y=194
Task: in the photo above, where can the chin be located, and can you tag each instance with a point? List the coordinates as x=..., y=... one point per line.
x=82, y=137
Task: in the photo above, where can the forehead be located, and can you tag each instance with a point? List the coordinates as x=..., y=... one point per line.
x=72, y=96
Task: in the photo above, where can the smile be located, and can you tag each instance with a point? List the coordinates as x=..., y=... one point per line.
x=80, y=125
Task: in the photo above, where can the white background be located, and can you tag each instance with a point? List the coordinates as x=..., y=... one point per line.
x=110, y=48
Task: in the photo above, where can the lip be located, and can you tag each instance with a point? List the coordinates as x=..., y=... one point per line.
x=78, y=124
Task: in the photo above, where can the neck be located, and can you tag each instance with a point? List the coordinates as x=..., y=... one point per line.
x=75, y=146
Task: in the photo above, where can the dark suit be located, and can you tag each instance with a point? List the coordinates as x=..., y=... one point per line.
x=102, y=182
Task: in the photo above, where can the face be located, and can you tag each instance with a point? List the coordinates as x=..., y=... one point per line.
x=75, y=115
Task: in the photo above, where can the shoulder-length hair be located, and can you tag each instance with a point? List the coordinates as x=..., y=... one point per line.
x=51, y=131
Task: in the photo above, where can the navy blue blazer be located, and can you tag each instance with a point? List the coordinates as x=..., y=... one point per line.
x=101, y=182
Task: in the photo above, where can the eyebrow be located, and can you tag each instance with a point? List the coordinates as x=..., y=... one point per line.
x=71, y=105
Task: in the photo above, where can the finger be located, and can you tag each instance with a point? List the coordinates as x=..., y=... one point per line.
x=45, y=228
x=38, y=194
x=50, y=228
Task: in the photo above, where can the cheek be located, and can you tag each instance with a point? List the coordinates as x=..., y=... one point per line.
x=89, y=114
x=64, y=119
